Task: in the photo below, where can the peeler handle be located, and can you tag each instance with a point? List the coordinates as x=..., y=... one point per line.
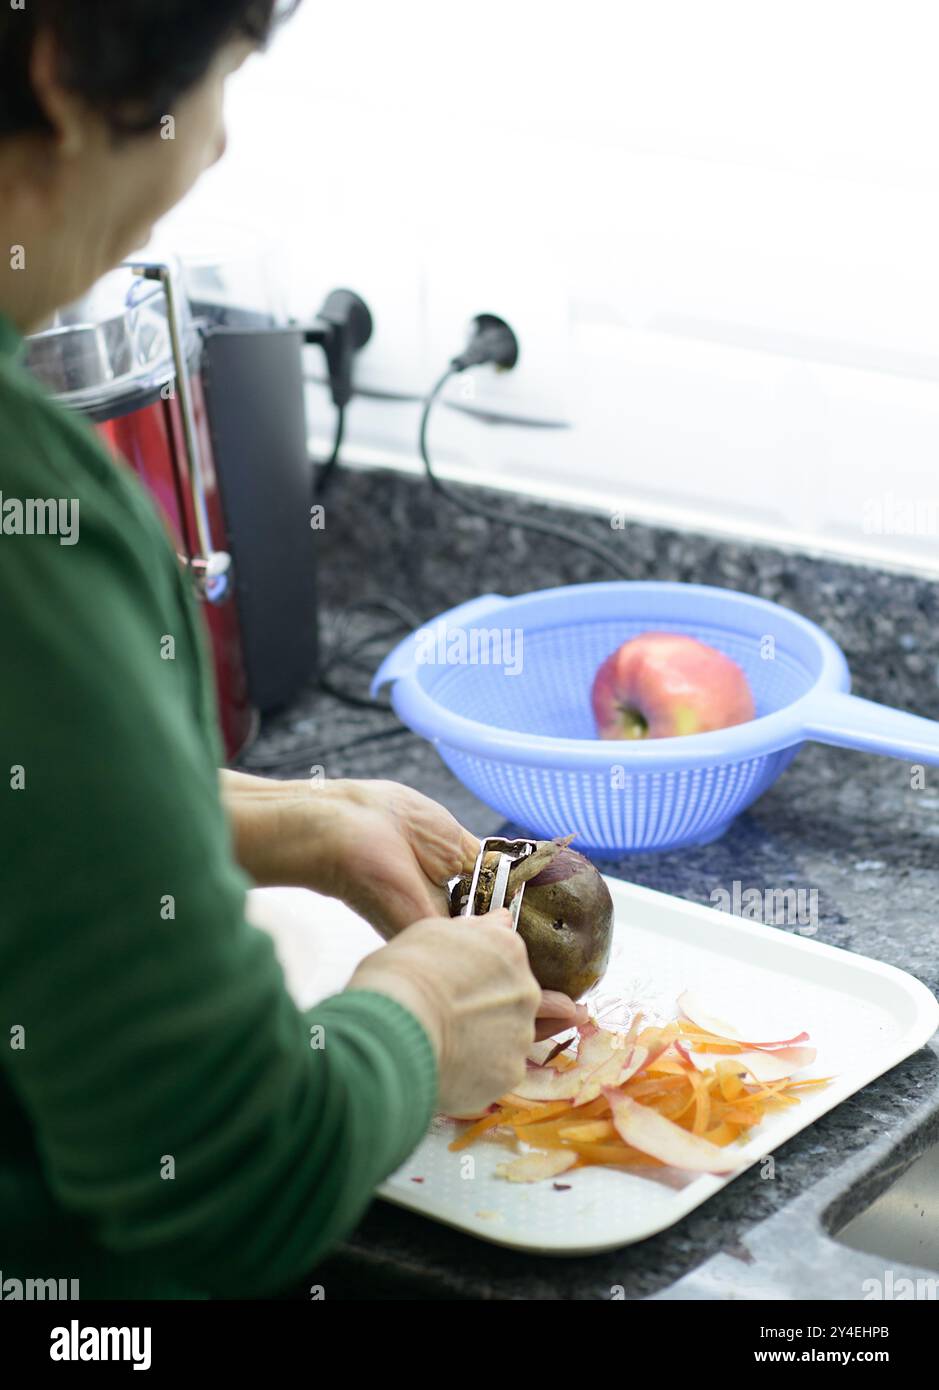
x=847, y=721
x=403, y=659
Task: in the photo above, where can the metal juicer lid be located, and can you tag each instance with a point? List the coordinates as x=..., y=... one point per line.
x=110, y=345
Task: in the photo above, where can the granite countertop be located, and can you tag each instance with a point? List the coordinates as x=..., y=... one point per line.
x=847, y=824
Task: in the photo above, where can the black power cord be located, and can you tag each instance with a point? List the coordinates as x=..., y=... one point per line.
x=307, y=757
x=343, y=655
x=341, y=328
x=405, y=615
x=323, y=475
x=492, y=341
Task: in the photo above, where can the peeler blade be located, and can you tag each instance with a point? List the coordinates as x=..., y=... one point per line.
x=510, y=852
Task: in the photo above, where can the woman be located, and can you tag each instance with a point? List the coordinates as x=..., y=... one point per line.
x=168, y=1127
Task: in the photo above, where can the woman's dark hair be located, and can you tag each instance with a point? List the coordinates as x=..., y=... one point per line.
x=129, y=60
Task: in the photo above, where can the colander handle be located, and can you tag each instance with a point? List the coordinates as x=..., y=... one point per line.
x=847, y=721
x=402, y=659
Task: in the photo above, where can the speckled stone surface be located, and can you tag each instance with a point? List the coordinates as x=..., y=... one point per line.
x=846, y=824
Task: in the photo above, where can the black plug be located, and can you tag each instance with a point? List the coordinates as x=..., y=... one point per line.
x=341, y=328
x=491, y=340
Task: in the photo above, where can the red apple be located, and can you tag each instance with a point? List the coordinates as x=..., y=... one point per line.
x=661, y=685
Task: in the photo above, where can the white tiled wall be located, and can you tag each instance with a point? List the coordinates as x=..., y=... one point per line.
x=714, y=227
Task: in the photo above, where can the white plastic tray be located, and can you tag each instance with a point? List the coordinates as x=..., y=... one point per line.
x=863, y=1016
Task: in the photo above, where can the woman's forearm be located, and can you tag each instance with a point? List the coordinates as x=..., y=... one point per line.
x=282, y=832
x=242, y=783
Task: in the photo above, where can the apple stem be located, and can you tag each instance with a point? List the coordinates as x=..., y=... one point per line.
x=635, y=725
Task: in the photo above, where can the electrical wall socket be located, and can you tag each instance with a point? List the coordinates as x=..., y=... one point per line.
x=394, y=359
x=531, y=297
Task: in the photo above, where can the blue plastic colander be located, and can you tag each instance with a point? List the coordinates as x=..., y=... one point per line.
x=525, y=743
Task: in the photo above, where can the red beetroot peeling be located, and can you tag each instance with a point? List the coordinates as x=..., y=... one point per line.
x=697, y=1013
x=657, y=1136
x=643, y=1097
x=766, y=1066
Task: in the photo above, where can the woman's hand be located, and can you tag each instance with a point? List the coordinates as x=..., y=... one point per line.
x=470, y=985
x=394, y=853
x=382, y=848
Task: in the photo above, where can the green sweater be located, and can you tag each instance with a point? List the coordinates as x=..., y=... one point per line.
x=167, y=1127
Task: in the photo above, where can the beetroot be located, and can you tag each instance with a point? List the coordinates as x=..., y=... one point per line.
x=566, y=919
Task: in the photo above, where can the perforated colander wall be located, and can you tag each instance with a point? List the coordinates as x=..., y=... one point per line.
x=639, y=811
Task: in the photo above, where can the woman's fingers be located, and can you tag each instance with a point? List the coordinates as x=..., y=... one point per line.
x=557, y=1005
x=557, y=1013
x=441, y=845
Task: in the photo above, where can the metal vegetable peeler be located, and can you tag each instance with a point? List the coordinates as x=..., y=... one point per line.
x=510, y=853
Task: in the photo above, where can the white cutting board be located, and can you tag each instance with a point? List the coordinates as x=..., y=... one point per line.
x=864, y=1017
